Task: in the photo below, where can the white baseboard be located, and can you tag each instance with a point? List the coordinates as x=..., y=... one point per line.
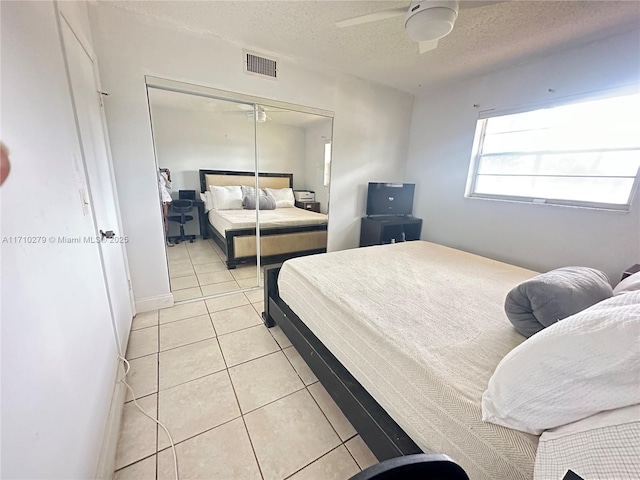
x=154, y=303
x=107, y=461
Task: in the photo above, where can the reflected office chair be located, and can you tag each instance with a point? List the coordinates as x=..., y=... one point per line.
x=182, y=207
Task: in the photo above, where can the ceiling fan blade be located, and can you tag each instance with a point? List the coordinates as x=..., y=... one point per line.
x=427, y=45
x=477, y=3
x=372, y=17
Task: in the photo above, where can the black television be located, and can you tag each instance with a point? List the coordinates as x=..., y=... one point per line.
x=390, y=198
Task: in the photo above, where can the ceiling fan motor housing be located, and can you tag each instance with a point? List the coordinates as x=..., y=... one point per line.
x=260, y=115
x=430, y=19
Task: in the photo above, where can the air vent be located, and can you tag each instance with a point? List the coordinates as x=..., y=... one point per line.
x=260, y=65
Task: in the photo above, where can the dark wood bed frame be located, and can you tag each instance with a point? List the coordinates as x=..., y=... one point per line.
x=226, y=242
x=378, y=430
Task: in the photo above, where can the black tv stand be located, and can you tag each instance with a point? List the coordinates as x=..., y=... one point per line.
x=378, y=230
x=389, y=217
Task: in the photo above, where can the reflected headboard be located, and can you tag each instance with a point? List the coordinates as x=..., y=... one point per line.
x=224, y=178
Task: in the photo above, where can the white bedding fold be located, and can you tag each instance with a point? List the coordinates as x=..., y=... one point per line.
x=601, y=447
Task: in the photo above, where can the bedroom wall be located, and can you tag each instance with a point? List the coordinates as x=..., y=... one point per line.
x=371, y=125
x=58, y=347
x=188, y=140
x=540, y=237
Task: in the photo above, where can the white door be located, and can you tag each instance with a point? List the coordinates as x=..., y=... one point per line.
x=102, y=198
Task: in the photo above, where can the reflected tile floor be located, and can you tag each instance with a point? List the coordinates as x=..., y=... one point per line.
x=236, y=397
x=198, y=269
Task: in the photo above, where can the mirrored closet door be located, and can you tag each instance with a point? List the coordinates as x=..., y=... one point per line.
x=194, y=138
x=300, y=143
x=211, y=144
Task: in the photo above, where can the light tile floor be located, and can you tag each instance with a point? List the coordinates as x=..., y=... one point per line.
x=238, y=399
x=198, y=269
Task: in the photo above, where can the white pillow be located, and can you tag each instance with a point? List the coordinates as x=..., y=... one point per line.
x=207, y=198
x=226, y=198
x=587, y=363
x=283, y=196
x=629, y=284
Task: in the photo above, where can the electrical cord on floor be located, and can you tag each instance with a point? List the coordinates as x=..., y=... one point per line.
x=127, y=367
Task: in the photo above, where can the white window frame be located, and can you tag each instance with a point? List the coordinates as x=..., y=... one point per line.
x=327, y=163
x=481, y=124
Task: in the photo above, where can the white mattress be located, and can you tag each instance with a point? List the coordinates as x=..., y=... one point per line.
x=604, y=446
x=422, y=328
x=223, y=220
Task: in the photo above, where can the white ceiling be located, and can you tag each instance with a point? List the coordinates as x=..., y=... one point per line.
x=484, y=39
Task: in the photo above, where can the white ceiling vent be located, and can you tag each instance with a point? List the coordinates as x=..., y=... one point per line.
x=258, y=64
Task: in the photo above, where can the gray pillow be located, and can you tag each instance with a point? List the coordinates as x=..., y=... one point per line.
x=264, y=202
x=547, y=298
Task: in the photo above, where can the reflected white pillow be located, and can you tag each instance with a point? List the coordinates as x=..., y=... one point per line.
x=207, y=198
x=587, y=363
x=629, y=284
x=283, y=196
x=226, y=198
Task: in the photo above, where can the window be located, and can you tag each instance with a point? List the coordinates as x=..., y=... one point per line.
x=327, y=164
x=581, y=154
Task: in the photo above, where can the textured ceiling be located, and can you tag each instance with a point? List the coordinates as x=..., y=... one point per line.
x=484, y=39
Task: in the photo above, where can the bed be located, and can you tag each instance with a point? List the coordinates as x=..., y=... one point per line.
x=405, y=338
x=284, y=232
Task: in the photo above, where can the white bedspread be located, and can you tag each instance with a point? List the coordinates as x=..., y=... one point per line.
x=223, y=220
x=605, y=446
x=422, y=328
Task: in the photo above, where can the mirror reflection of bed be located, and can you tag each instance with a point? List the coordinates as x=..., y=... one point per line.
x=228, y=136
x=287, y=229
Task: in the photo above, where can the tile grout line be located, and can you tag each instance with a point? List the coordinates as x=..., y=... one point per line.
x=158, y=398
x=190, y=380
x=294, y=368
x=214, y=295
x=323, y=413
x=227, y=368
x=228, y=421
x=164, y=449
x=307, y=387
x=317, y=460
x=246, y=429
x=231, y=308
x=273, y=401
x=353, y=456
x=241, y=415
x=209, y=338
x=316, y=402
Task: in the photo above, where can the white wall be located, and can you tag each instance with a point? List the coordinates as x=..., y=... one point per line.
x=370, y=131
x=58, y=347
x=188, y=140
x=540, y=237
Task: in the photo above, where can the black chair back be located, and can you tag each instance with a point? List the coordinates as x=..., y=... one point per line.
x=182, y=206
